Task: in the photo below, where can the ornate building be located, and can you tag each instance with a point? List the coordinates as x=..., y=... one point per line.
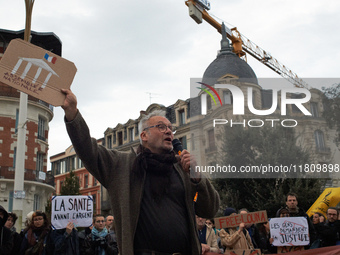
x=38, y=184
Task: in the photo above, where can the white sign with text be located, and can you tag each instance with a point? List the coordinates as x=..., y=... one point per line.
x=76, y=209
x=289, y=231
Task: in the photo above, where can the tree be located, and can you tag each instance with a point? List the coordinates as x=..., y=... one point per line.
x=262, y=146
x=331, y=105
x=71, y=185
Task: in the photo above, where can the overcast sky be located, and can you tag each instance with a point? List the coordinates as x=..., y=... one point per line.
x=127, y=51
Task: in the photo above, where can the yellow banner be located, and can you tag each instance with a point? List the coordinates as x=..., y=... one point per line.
x=329, y=198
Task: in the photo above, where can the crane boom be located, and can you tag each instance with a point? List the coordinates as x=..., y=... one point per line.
x=242, y=45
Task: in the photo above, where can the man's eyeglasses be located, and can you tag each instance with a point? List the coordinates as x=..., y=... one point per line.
x=100, y=221
x=162, y=128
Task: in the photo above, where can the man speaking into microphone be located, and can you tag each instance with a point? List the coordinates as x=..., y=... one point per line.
x=151, y=190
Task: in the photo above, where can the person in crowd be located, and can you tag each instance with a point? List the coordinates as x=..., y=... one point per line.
x=251, y=228
x=109, y=221
x=99, y=241
x=12, y=218
x=330, y=231
x=295, y=211
x=82, y=235
x=235, y=238
x=322, y=219
x=316, y=218
x=283, y=212
x=6, y=238
x=207, y=236
x=66, y=240
x=149, y=189
x=316, y=223
x=211, y=222
x=37, y=239
x=263, y=239
x=27, y=224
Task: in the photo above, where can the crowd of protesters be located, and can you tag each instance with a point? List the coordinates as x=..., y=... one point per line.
x=322, y=232
x=100, y=239
x=38, y=238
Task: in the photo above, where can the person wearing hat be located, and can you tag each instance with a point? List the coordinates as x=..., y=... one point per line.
x=6, y=239
x=237, y=237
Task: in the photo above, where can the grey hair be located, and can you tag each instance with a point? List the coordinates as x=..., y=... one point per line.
x=143, y=123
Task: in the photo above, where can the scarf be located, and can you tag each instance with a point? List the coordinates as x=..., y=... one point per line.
x=158, y=167
x=95, y=235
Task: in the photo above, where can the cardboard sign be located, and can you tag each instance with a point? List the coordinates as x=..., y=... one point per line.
x=236, y=220
x=289, y=231
x=36, y=72
x=243, y=252
x=286, y=249
x=76, y=209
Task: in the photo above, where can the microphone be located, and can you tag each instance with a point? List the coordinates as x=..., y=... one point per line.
x=178, y=148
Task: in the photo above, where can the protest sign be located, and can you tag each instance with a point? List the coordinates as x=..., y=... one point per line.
x=36, y=71
x=76, y=209
x=286, y=249
x=289, y=231
x=243, y=252
x=236, y=220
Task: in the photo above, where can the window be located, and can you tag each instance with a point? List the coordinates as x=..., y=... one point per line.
x=120, y=138
x=131, y=135
x=227, y=97
x=192, y=142
x=183, y=141
x=181, y=115
x=125, y=134
x=109, y=142
x=41, y=129
x=16, y=120
x=314, y=109
x=208, y=103
x=14, y=156
x=86, y=184
x=61, y=185
x=114, y=138
x=211, y=139
x=80, y=163
x=63, y=166
x=10, y=201
x=95, y=182
x=319, y=140
x=36, y=203
x=40, y=163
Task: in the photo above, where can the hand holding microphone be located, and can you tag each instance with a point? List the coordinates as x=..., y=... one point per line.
x=185, y=156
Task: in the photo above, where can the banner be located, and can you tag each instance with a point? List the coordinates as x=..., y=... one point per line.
x=76, y=209
x=243, y=252
x=289, y=231
x=236, y=220
x=329, y=198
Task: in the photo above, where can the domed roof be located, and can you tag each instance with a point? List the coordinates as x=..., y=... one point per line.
x=228, y=63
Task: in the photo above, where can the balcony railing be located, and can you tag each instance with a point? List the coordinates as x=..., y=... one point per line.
x=30, y=175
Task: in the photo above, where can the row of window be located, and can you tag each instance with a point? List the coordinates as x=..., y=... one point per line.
x=36, y=201
x=41, y=126
x=66, y=165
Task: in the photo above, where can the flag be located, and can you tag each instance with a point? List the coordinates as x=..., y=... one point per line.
x=330, y=197
x=50, y=58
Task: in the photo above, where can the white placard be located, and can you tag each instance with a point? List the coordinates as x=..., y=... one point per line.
x=289, y=231
x=76, y=209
